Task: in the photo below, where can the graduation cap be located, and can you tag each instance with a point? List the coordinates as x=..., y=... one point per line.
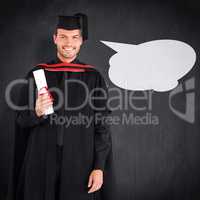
x=77, y=21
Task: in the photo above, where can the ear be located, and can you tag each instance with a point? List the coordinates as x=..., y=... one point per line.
x=81, y=42
x=81, y=39
x=54, y=38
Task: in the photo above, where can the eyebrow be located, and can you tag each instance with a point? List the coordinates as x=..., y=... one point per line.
x=61, y=34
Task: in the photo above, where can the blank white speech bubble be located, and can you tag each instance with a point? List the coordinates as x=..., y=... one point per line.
x=156, y=65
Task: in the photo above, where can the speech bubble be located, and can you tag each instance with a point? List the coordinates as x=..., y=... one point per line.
x=154, y=65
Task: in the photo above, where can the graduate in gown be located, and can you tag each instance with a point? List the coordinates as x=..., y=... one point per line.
x=54, y=160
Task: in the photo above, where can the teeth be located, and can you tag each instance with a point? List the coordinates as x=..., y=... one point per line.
x=68, y=49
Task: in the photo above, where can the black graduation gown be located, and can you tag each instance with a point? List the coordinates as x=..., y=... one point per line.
x=85, y=148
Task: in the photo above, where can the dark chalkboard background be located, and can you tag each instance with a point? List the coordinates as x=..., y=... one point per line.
x=158, y=162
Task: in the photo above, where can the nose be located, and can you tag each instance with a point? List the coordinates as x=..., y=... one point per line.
x=68, y=42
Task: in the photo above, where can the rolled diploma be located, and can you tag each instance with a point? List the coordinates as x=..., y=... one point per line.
x=41, y=83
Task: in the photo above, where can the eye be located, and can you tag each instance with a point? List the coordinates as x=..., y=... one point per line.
x=61, y=36
x=75, y=37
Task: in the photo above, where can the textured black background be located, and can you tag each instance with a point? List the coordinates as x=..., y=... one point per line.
x=151, y=162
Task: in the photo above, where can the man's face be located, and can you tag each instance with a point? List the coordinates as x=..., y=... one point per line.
x=68, y=43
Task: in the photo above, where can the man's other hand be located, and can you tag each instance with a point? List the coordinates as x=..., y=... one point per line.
x=95, y=180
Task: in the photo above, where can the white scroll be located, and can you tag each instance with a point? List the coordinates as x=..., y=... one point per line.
x=42, y=87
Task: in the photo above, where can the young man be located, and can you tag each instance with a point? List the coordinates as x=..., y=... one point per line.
x=55, y=161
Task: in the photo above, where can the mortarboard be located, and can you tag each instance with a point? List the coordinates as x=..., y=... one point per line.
x=77, y=21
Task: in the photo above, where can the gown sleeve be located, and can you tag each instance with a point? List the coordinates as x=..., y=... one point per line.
x=102, y=129
x=27, y=118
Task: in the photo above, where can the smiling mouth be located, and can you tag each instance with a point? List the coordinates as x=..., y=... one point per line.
x=68, y=49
